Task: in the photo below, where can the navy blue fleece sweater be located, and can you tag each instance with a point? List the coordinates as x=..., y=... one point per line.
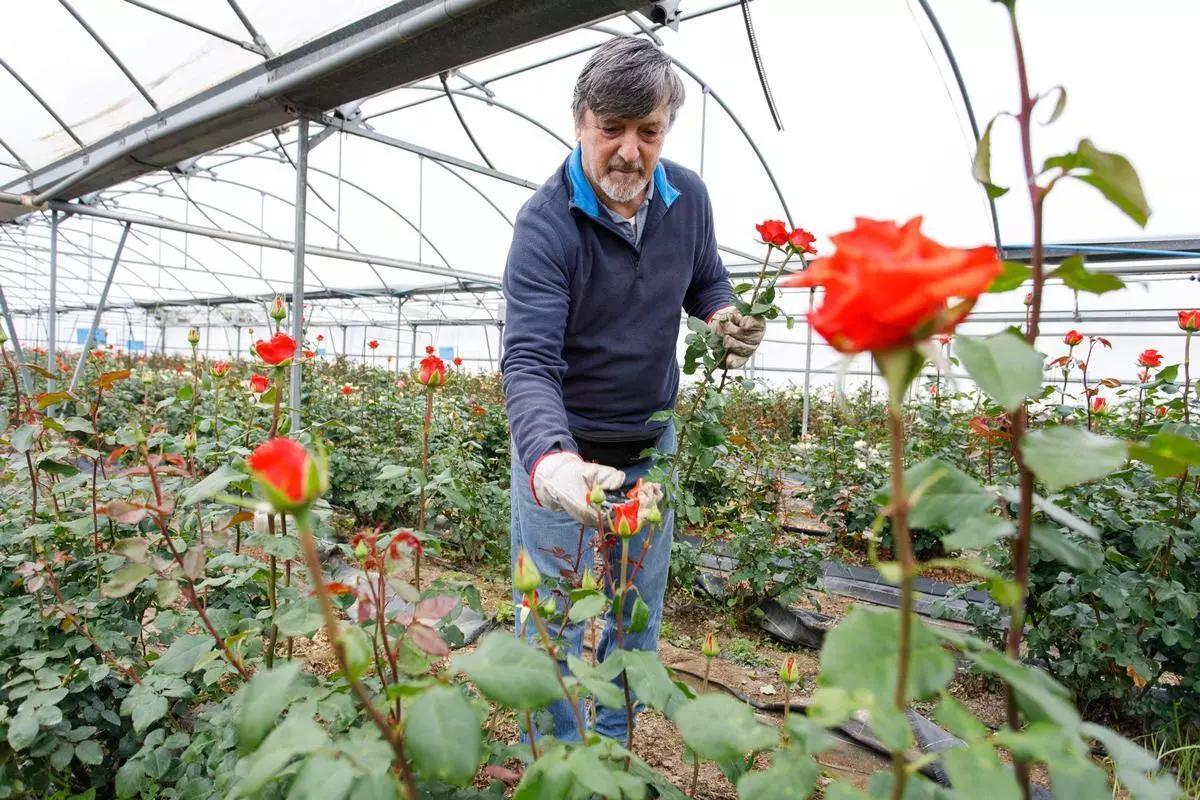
x=592, y=320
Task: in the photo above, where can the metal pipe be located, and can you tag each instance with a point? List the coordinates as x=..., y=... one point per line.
x=808, y=349
x=298, y=270
x=399, y=321
x=277, y=84
x=52, y=328
x=16, y=340
x=45, y=106
x=253, y=48
x=91, y=334
x=109, y=52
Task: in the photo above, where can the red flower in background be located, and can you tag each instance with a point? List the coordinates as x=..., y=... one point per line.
x=432, y=371
x=373, y=344
x=1099, y=405
x=278, y=351
x=887, y=286
x=308, y=354
x=347, y=389
x=219, y=368
x=259, y=383
x=98, y=354
x=428, y=349
x=1072, y=338
x=774, y=232
x=457, y=361
x=1160, y=411
x=1149, y=358
x=1189, y=320
x=320, y=337
x=801, y=241
x=281, y=464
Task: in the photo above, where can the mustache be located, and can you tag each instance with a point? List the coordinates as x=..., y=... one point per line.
x=618, y=164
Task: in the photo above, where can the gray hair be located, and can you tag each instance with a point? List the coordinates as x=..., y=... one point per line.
x=627, y=78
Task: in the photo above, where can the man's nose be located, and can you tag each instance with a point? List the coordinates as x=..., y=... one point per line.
x=629, y=151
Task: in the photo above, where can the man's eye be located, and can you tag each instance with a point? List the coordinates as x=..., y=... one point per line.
x=611, y=130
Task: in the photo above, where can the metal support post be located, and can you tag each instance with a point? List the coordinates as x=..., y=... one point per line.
x=343, y=341
x=298, y=268
x=808, y=346
x=12, y=334
x=91, y=334
x=412, y=353
x=238, y=352
x=52, y=328
x=399, y=322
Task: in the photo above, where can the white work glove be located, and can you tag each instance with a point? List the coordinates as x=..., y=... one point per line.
x=563, y=480
x=740, y=334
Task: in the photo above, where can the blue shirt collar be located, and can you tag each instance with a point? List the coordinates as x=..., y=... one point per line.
x=584, y=197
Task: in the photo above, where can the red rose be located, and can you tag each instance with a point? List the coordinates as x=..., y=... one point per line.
x=308, y=354
x=625, y=519
x=428, y=349
x=219, y=368
x=773, y=232
x=1149, y=358
x=1189, y=320
x=373, y=344
x=259, y=383
x=1099, y=405
x=277, y=352
x=288, y=475
x=347, y=389
x=320, y=337
x=801, y=241
x=458, y=361
x=1072, y=338
x=432, y=371
x=97, y=354
x=887, y=286
x=1160, y=411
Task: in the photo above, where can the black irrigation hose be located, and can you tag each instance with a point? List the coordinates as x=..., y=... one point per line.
x=758, y=65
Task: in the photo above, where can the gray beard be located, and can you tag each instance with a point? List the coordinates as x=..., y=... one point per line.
x=622, y=192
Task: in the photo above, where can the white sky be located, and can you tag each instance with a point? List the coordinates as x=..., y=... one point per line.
x=873, y=127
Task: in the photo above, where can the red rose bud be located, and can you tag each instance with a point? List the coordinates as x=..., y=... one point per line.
x=347, y=389
x=801, y=241
x=625, y=519
x=1189, y=320
x=526, y=577
x=373, y=344
x=193, y=337
x=1160, y=412
x=710, y=648
x=291, y=478
x=309, y=355
x=219, y=368
x=277, y=352
x=1072, y=338
x=259, y=383
x=789, y=671
x=1029, y=298
x=96, y=354
x=1149, y=358
x=1099, y=405
x=773, y=232
x=428, y=349
x=320, y=338
x=432, y=371
x=278, y=309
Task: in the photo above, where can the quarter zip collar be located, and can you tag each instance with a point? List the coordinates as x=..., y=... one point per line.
x=583, y=196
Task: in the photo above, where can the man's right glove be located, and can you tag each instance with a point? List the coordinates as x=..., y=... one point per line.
x=561, y=482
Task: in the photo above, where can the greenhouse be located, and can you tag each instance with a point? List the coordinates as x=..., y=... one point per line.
x=606, y=398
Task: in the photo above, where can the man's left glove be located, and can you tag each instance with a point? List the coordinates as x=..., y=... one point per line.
x=740, y=334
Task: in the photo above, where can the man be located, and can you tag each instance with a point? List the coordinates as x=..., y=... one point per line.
x=603, y=257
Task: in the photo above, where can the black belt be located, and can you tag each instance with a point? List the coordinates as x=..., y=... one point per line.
x=613, y=450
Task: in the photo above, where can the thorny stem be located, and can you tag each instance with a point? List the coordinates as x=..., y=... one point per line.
x=193, y=597
x=1183, y=478
x=621, y=643
x=424, y=480
x=903, y=543
x=272, y=595
x=1021, y=544
x=316, y=577
x=552, y=651
x=696, y=757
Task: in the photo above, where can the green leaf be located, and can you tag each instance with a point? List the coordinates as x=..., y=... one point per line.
x=359, y=650
x=860, y=654
x=591, y=774
x=145, y=706
x=981, y=166
x=89, y=752
x=977, y=764
x=1059, y=104
x=126, y=579
x=296, y=736
x=299, y=617
x=949, y=495
x=790, y=775
x=183, y=654
x=1110, y=173
x=719, y=728
x=1004, y=366
x=510, y=672
x=22, y=438
x=640, y=616
x=648, y=679
x=591, y=678
x=977, y=531
x=1038, y=695
x=1062, y=548
x=323, y=778
x=130, y=778
x=23, y=727
x=211, y=485
x=698, y=325
x=262, y=701
x=1075, y=275
x=47, y=399
x=588, y=606
x=1137, y=769
x=959, y=720
x=447, y=741
x=1065, y=455
x=1012, y=275
x=78, y=425
x=1168, y=453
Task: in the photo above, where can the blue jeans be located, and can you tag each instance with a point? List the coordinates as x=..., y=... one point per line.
x=546, y=535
